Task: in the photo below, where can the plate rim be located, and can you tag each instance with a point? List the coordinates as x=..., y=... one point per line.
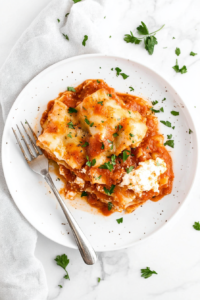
x=196, y=142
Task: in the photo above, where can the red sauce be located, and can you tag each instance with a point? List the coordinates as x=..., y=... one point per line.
x=151, y=146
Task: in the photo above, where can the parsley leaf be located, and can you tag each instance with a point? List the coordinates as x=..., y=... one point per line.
x=115, y=134
x=154, y=102
x=90, y=163
x=107, y=165
x=102, y=146
x=109, y=192
x=120, y=127
x=85, y=144
x=66, y=36
x=124, y=75
x=110, y=95
x=169, y=143
x=88, y=122
x=83, y=194
x=142, y=29
x=192, y=53
x=63, y=261
x=130, y=38
x=119, y=220
x=72, y=110
x=175, y=113
x=98, y=279
x=183, y=70
x=169, y=136
x=190, y=131
x=128, y=170
x=58, y=20
x=178, y=70
x=162, y=109
x=131, y=88
x=98, y=81
x=178, y=51
x=118, y=70
x=111, y=146
x=154, y=110
x=76, y=1
x=146, y=273
x=163, y=99
x=71, y=89
x=125, y=155
x=71, y=125
x=66, y=15
x=176, y=67
x=131, y=135
x=150, y=42
x=69, y=135
x=110, y=205
x=97, y=178
x=60, y=286
x=196, y=225
x=166, y=123
x=84, y=40
x=100, y=102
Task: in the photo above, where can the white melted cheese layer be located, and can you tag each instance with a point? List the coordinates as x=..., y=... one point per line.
x=145, y=176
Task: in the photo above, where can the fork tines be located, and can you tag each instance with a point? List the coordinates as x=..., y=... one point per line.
x=36, y=149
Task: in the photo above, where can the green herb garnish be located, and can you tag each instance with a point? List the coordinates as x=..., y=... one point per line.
x=178, y=51
x=146, y=273
x=71, y=89
x=119, y=220
x=196, y=225
x=169, y=143
x=110, y=205
x=166, y=123
x=72, y=110
x=175, y=113
x=90, y=163
x=71, y=125
x=66, y=36
x=84, y=40
x=128, y=170
x=192, y=53
x=109, y=192
x=85, y=144
x=83, y=194
x=63, y=261
x=131, y=88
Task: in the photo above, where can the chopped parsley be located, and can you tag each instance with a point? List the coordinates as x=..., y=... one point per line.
x=66, y=36
x=66, y=15
x=190, y=131
x=110, y=205
x=118, y=70
x=128, y=170
x=178, y=70
x=175, y=113
x=196, y=225
x=131, y=88
x=98, y=279
x=58, y=20
x=63, y=261
x=109, y=95
x=107, y=165
x=69, y=135
x=177, y=51
x=85, y=144
x=60, y=286
x=173, y=127
x=125, y=155
x=76, y=1
x=88, y=122
x=124, y=75
x=166, y=123
x=102, y=146
x=83, y=194
x=169, y=143
x=132, y=135
x=71, y=125
x=154, y=102
x=120, y=127
x=100, y=102
x=98, y=81
x=84, y=40
x=109, y=192
x=119, y=220
x=163, y=99
x=90, y=163
x=162, y=109
x=169, y=136
x=72, y=110
x=97, y=178
x=192, y=53
x=115, y=134
x=112, y=69
x=146, y=273
x=149, y=39
x=154, y=110
x=71, y=89
x=111, y=144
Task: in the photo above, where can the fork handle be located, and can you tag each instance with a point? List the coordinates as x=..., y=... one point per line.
x=87, y=252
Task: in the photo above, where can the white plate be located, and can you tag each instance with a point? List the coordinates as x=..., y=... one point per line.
x=29, y=190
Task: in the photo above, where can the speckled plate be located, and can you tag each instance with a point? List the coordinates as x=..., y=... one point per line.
x=32, y=195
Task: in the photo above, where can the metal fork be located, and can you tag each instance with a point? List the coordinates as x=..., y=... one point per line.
x=39, y=164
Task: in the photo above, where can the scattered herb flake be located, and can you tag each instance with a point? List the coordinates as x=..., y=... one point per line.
x=72, y=110
x=118, y=70
x=196, y=225
x=58, y=20
x=128, y=170
x=169, y=136
x=124, y=75
x=169, y=143
x=150, y=42
x=71, y=89
x=107, y=165
x=131, y=88
x=130, y=38
x=84, y=40
x=76, y=1
x=60, y=286
x=119, y=220
x=175, y=113
x=125, y=155
x=154, y=102
x=100, y=102
x=109, y=95
x=166, y=123
x=102, y=146
x=83, y=194
x=98, y=81
x=110, y=205
x=190, y=131
x=66, y=15
x=177, y=51
x=98, y=279
x=192, y=53
x=162, y=109
x=163, y=99
x=85, y=144
x=146, y=273
x=63, y=261
x=142, y=29
x=115, y=134
x=69, y=135
x=71, y=125
x=66, y=36
x=109, y=192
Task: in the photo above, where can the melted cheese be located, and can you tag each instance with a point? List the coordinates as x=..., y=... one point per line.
x=145, y=176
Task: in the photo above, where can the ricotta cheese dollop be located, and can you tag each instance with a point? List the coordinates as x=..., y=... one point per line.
x=145, y=176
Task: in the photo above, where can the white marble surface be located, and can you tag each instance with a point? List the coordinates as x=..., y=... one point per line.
x=174, y=253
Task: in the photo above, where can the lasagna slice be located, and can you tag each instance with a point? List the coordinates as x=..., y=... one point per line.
x=107, y=146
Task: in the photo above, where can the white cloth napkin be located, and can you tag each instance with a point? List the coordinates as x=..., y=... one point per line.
x=42, y=44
